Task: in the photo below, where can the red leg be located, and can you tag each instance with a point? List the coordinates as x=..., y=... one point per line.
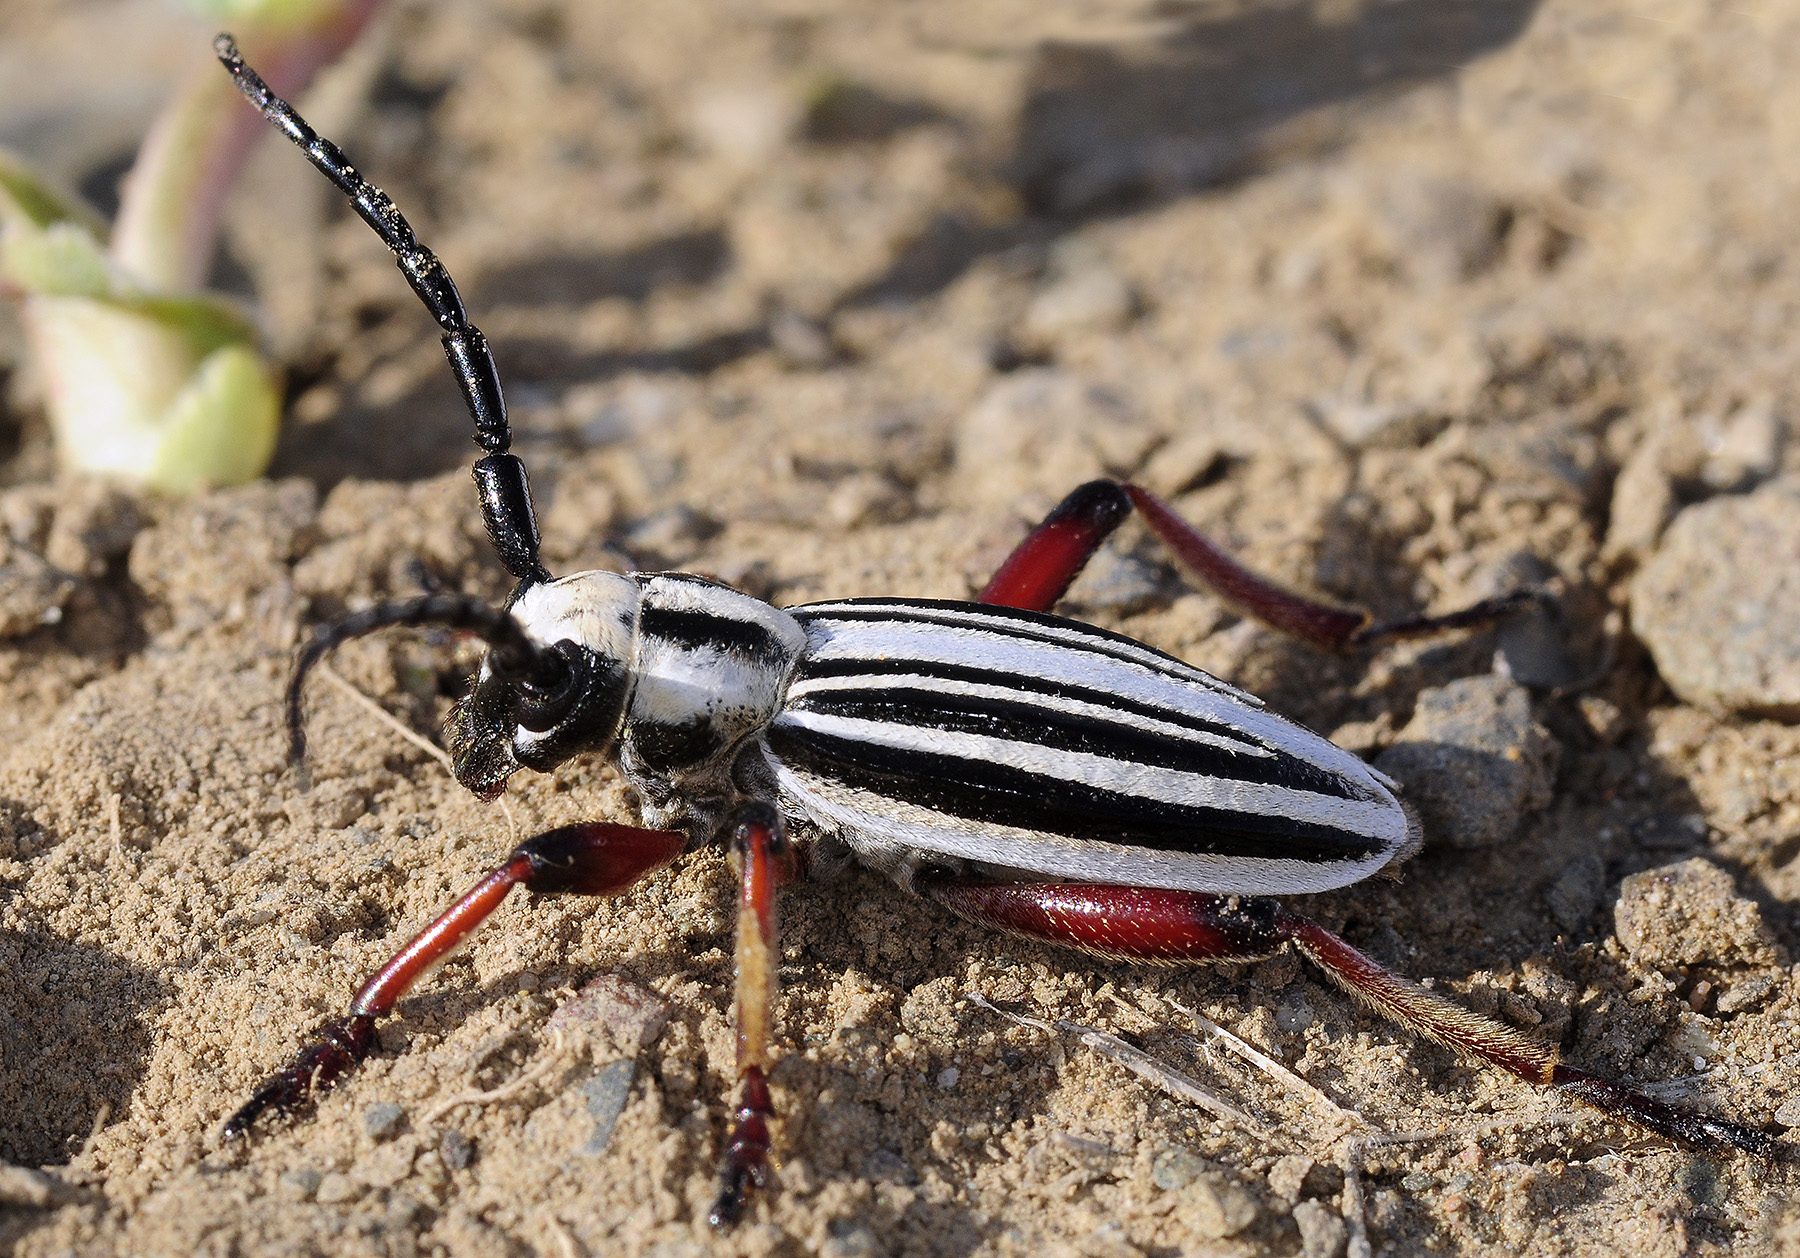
x=1143, y=924
x=597, y=859
x=1042, y=566
x=764, y=861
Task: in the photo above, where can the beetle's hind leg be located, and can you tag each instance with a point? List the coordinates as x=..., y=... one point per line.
x=1147, y=924
x=764, y=861
x=1041, y=568
x=594, y=859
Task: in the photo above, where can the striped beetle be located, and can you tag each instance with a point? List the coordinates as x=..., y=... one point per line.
x=1031, y=773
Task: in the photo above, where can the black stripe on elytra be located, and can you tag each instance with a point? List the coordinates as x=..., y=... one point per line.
x=1009, y=622
x=1030, y=684
x=977, y=791
x=703, y=631
x=1040, y=725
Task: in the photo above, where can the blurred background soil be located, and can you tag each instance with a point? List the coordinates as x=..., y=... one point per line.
x=1407, y=302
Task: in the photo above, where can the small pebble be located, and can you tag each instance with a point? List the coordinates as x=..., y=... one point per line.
x=1577, y=892
x=1689, y=913
x=849, y=1238
x=1217, y=1207
x=1108, y=1241
x=1322, y=1230
x=382, y=1119
x=1718, y=601
x=947, y=1077
x=1473, y=761
x=300, y=1183
x=634, y=1016
x=1177, y=1168
x=1789, y=1113
x=455, y=1150
x=1746, y=993
x=607, y=1092
x=1092, y=299
x=336, y=1188
x=1295, y=1013
x=1288, y=1174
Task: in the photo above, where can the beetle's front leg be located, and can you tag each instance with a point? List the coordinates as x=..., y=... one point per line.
x=1149, y=924
x=764, y=861
x=1041, y=568
x=594, y=859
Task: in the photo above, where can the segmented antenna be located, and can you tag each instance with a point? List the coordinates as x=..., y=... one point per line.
x=500, y=478
x=510, y=651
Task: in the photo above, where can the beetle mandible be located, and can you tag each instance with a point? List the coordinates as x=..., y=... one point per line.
x=1031, y=773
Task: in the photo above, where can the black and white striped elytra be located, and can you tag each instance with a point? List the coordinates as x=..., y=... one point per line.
x=923, y=732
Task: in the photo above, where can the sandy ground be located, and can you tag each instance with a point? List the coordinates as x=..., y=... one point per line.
x=831, y=299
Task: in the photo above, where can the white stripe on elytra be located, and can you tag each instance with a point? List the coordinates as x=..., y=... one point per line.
x=887, y=831
x=1069, y=633
x=1377, y=820
x=1027, y=700
x=989, y=647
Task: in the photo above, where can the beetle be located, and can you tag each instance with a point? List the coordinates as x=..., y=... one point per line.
x=1031, y=773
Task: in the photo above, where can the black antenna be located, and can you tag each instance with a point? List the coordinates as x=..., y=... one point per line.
x=510, y=652
x=499, y=476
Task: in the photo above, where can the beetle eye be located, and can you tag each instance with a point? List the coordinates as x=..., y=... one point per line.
x=545, y=702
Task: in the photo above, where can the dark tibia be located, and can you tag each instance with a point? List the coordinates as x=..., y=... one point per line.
x=598, y=859
x=765, y=862
x=1140, y=924
x=1041, y=568
x=1703, y=1131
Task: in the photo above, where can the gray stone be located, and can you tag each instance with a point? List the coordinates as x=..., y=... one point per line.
x=300, y=1183
x=1322, y=1230
x=1473, y=761
x=1689, y=913
x=1789, y=1113
x=455, y=1150
x=382, y=1119
x=849, y=1238
x=606, y=1095
x=1718, y=603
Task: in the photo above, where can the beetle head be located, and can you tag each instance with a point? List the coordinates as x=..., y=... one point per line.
x=570, y=700
x=556, y=680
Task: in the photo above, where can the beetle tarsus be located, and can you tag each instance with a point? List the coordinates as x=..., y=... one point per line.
x=1703, y=1131
x=340, y=1048
x=745, y=1166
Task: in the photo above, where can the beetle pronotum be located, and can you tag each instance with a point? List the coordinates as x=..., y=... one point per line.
x=1031, y=773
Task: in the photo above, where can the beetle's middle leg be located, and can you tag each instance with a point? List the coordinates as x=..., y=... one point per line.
x=763, y=859
x=1041, y=567
x=1171, y=927
x=598, y=859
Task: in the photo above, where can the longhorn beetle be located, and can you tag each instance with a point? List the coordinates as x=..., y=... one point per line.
x=1028, y=772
